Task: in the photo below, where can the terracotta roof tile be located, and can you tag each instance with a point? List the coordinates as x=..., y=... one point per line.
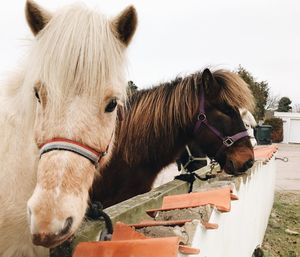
x=265, y=152
x=152, y=223
x=168, y=247
x=126, y=242
x=220, y=197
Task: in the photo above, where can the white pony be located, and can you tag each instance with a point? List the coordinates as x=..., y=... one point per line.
x=57, y=119
x=250, y=124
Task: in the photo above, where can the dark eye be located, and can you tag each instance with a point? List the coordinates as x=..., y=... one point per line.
x=229, y=111
x=111, y=105
x=36, y=93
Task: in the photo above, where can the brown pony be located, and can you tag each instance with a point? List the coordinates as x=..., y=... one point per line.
x=159, y=123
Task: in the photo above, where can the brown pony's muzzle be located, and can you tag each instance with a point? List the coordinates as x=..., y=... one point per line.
x=239, y=160
x=233, y=169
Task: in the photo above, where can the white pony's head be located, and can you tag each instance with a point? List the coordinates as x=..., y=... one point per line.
x=75, y=80
x=250, y=124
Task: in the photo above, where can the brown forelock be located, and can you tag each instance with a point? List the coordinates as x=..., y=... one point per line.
x=162, y=110
x=234, y=90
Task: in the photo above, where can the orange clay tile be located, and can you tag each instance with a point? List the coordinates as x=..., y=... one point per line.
x=152, y=223
x=126, y=242
x=188, y=250
x=264, y=152
x=234, y=197
x=208, y=225
x=221, y=198
x=125, y=232
x=152, y=247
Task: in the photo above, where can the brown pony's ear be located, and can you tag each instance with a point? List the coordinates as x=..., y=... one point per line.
x=124, y=25
x=210, y=85
x=37, y=17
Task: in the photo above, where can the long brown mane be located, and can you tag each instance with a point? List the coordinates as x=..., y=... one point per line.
x=153, y=113
x=235, y=91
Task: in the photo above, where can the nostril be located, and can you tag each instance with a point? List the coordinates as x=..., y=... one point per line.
x=28, y=211
x=231, y=165
x=29, y=215
x=67, y=226
x=250, y=163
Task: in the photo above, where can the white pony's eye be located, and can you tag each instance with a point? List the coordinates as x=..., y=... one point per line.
x=111, y=105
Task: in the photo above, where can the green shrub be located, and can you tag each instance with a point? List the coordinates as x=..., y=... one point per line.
x=277, y=132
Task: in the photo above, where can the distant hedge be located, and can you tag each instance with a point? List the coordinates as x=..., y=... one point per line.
x=277, y=132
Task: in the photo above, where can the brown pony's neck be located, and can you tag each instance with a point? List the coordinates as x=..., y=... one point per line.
x=157, y=125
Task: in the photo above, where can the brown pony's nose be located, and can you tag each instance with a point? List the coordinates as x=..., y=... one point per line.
x=248, y=164
x=232, y=167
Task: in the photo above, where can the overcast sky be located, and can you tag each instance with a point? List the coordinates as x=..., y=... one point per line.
x=180, y=36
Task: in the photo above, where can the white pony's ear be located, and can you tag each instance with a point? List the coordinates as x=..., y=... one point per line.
x=124, y=25
x=36, y=16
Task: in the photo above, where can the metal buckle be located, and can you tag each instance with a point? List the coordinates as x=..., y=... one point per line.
x=201, y=117
x=228, y=141
x=103, y=154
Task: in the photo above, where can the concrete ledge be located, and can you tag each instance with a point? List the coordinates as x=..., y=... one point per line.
x=134, y=209
x=130, y=211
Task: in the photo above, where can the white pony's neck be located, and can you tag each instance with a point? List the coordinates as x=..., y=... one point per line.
x=76, y=54
x=17, y=104
x=18, y=158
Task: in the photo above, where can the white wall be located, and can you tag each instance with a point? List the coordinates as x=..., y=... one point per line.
x=291, y=126
x=242, y=229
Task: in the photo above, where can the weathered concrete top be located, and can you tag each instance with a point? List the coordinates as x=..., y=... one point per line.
x=134, y=209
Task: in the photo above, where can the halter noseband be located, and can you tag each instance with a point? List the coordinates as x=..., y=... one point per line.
x=63, y=144
x=227, y=141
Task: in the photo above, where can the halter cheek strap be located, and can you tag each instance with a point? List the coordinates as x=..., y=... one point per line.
x=63, y=144
x=227, y=141
x=191, y=158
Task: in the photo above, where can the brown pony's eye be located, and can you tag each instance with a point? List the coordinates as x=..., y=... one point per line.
x=111, y=105
x=37, y=95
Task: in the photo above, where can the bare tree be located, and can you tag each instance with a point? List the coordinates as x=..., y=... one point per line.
x=296, y=108
x=272, y=101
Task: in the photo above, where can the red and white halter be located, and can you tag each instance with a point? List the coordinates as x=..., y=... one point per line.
x=63, y=144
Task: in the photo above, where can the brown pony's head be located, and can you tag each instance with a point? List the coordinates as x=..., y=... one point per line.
x=219, y=129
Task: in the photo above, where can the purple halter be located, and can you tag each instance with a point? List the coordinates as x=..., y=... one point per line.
x=227, y=140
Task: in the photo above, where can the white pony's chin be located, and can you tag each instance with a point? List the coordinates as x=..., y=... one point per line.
x=55, y=242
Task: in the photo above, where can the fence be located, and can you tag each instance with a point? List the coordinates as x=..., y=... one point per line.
x=236, y=232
